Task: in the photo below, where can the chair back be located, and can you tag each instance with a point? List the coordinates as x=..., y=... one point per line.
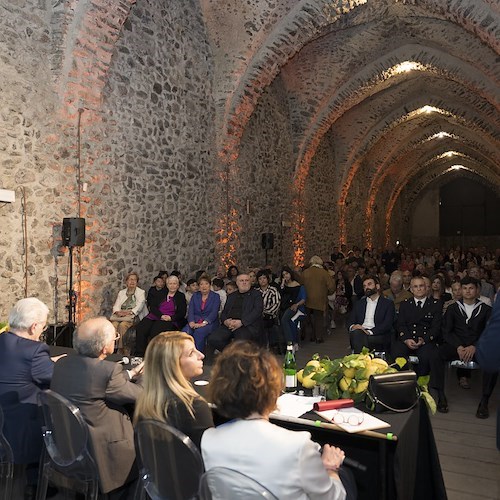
x=6, y=464
x=66, y=438
x=221, y=483
x=171, y=465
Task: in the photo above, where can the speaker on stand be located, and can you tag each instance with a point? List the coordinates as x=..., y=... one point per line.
x=73, y=235
x=267, y=242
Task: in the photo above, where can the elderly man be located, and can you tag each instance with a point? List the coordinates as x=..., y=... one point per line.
x=318, y=284
x=241, y=317
x=372, y=319
x=100, y=389
x=396, y=293
x=25, y=370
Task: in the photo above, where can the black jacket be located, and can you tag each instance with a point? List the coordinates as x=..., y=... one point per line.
x=457, y=331
x=414, y=322
x=252, y=310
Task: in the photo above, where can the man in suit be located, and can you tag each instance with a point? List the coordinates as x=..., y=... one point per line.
x=100, y=389
x=241, y=318
x=372, y=318
x=488, y=350
x=418, y=326
x=464, y=323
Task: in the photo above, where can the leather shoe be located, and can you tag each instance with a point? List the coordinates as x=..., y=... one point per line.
x=482, y=409
x=442, y=406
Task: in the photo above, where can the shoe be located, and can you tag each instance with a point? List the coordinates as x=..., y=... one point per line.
x=442, y=406
x=482, y=409
x=463, y=382
x=333, y=325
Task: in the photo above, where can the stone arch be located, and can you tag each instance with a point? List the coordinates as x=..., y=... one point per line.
x=375, y=78
x=305, y=22
x=399, y=156
x=88, y=33
x=421, y=182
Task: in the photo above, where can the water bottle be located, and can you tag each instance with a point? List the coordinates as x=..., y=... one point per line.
x=290, y=370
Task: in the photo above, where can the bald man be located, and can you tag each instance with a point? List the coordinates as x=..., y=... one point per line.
x=100, y=388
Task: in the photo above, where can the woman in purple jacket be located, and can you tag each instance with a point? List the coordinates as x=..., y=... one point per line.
x=203, y=313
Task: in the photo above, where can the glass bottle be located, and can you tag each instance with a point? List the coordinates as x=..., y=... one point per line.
x=290, y=369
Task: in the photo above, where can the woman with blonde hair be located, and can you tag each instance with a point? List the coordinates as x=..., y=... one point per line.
x=170, y=363
x=245, y=384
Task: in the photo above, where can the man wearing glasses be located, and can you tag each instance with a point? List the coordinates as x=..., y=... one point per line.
x=100, y=389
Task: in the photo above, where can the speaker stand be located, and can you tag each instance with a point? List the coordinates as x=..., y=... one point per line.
x=71, y=306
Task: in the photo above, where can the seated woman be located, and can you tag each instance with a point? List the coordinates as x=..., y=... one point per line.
x=203, y=313
x=168, y=396
x=170, y=316
x=245, y=384
x=438, y=289
x=271, y=299
x=128, y=307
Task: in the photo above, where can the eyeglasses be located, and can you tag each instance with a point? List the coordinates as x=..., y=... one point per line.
x=117, y=336
x=348, y=418
x=45, y=328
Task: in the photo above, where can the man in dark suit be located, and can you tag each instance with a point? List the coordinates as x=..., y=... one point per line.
x=488, y=350
x=464, y=323
x=418, y=326
x=372, y=318
x=241, y=317
x=100, y=388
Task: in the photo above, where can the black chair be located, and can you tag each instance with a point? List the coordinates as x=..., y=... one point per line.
x=221, y=483
x=6, y=464
x=66, y=460
x=171, y=465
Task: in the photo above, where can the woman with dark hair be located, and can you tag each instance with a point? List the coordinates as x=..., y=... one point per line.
x=245, y=384
x=293, y=298
x=203, y=313
x=170, y=316
x=171, y=362
x=438, y=289
x=343, y=293
x=271, y=302
x=232, y=273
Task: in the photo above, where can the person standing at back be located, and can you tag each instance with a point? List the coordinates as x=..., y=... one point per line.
x=318, y=284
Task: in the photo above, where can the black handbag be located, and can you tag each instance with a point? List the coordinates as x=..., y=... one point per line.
x=397, y=392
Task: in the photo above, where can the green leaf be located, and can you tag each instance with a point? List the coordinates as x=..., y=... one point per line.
x=308, y=370
x=429, y=401
x=365, y=350
x=333, y=392
x=401, y=362
x=423, y=381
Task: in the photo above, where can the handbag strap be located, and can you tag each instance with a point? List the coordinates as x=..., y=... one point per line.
x=375, y=400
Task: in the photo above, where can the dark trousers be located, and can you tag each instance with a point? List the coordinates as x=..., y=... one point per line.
x=447, y=352
x=221, y=337
x=424, y=354
x=359, y=340
x=315, y=323
x=146, y=329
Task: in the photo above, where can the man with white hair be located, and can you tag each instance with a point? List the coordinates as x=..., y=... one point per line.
x=100, y=389
x=25, y=370
x=396, y=293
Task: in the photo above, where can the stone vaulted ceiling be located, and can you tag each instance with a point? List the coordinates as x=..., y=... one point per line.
x=408, y=89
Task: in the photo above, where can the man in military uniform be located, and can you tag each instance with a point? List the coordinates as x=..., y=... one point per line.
x=418, y=326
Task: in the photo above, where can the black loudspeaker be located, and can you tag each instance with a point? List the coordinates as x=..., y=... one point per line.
x=267, y=241
x=73, y=232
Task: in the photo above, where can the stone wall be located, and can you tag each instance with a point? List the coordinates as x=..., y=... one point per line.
x=261, y=187
x=146, y=156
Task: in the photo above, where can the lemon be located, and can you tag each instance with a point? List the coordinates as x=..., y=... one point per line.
x=300, y=376
x=308, y=382
x=349, y=372
x=314, y=362
x=345, y=383
x=361, y=387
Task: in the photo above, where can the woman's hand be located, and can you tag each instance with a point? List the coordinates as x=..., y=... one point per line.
x=165, y=317
x=192, y=324
x=294, y=307
x=332, y=458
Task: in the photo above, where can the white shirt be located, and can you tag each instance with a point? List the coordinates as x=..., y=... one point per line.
x=422, y=302
x=371, y=305
x=286, y=462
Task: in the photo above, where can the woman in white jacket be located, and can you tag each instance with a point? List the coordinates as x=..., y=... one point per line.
x=128, y=308
x=245, y=384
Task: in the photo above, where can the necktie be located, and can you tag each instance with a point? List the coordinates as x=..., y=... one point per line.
x=419, y=304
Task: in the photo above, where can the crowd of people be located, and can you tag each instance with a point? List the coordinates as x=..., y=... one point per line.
x=434, y=306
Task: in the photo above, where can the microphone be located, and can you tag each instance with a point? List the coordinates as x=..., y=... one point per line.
x=124, y=361
x=354, y=464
